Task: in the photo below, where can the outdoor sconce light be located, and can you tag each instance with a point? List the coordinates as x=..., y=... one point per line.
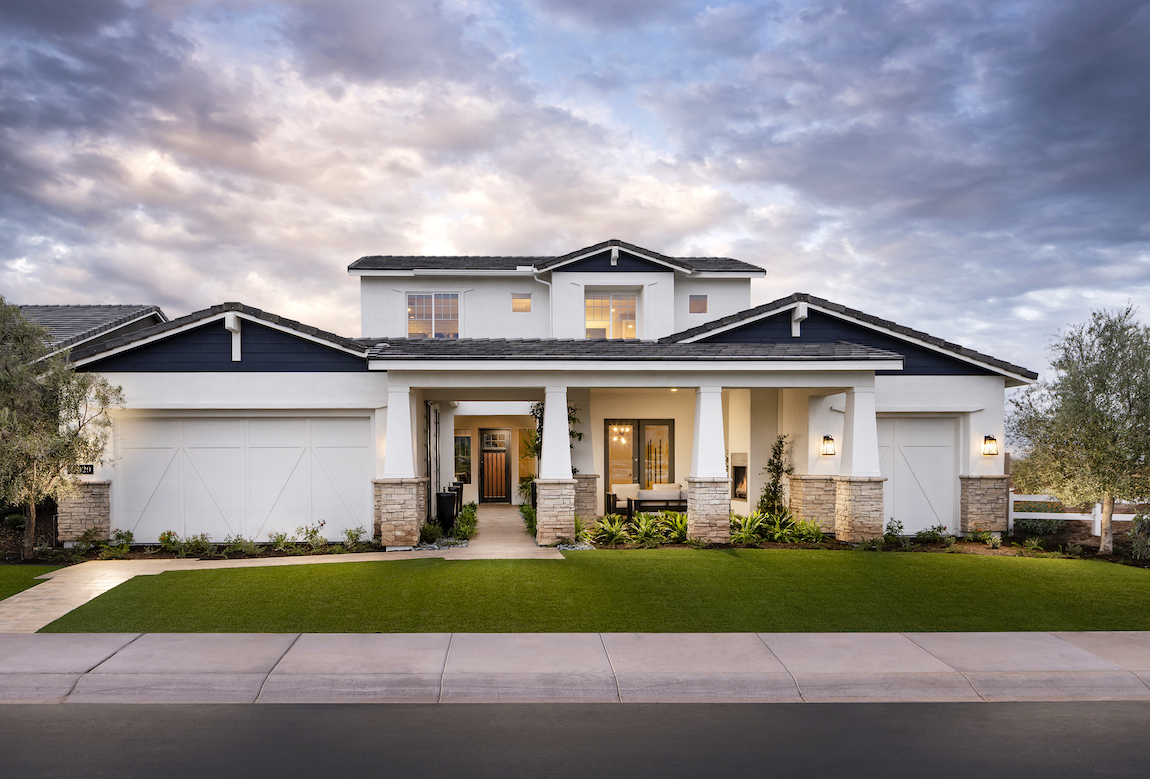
x=989, y=445
x=828, y=447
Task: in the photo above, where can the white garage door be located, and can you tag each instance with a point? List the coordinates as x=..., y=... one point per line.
x=917, y=457
x=251, y=477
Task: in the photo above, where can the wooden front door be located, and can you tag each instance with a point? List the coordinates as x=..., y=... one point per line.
x=494, y=466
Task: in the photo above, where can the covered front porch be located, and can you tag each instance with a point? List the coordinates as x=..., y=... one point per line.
x=706, y=429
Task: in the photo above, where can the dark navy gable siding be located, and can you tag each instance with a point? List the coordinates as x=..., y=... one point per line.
x=823, y=328
x=601, y=262
x=209, y=349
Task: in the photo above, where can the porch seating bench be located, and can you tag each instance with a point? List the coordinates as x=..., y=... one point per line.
x=650, y=504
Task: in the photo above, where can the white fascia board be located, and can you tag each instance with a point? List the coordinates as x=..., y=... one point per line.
x=526, y=385
x=634, y=366
x=207, y=320
x=878, y=329
x=441, y=272
x=728, y=274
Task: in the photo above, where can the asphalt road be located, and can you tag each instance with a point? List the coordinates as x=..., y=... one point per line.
x=1014, y=740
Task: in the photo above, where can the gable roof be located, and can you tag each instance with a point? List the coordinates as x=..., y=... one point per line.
x=540, y=264
x=1017, y=373
x=69, y=325
x=97, y=350
x=612, y=350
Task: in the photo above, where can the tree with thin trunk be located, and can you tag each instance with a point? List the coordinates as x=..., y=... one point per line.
x=52, y=418
x=1086, y=432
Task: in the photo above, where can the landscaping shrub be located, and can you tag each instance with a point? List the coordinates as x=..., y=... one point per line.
x=430, y=533
x=238, y=546
x=870, y=545
x=582, y=532
x=675, y=527
x=87, y=541
x=611, y=529
x=932, y=535
x=894, y=530
x=170, y=542
x=808, y=531
x=312, y=535
x=1139, y=537
x=1037, y=527
x=467, y=522
x=200, y=546
x=15, y=521
x=771, y=499
x=282, y=542
x=529, y=518
x=646, y=530
x=353, y=537
x=117, y=547
x=994, y=542
x=747, y=531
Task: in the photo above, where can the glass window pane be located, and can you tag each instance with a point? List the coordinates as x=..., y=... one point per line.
x=698, y=304
x=521, y=302
x=527, y=437
x=598, y=316
x=463, y=459
x=620, y=454
x=447, y=315
x=419, y=312
x=623, y=316
x=656, y=455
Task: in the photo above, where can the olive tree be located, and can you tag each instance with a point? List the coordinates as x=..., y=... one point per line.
x=1086, y=432
x=52, y=418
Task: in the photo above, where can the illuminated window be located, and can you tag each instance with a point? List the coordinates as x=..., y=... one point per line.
x=611, y=315
x=433, y=315
x=463, y=459
x=521, y=302
x=697, y=304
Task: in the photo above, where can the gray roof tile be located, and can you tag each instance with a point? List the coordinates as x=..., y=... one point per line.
x=69, y=325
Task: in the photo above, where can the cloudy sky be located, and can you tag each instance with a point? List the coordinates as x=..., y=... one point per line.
x=978, y=170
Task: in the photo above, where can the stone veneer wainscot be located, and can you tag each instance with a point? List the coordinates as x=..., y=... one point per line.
x=983, y=503
x=400, y=510
x=858, y=508
x=90, y=507
x=813, y=498
x=709, y=509
x=555, y=510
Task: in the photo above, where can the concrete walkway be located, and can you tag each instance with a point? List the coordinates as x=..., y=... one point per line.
x=573, y=667
x=499, y=536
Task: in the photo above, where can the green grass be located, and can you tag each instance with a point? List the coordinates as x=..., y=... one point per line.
x=670, y=590
x=17, y=578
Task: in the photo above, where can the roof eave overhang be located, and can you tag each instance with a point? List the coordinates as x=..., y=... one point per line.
x=634, y=366
x=527, y=271
x=1013, y=379
x=643, y=255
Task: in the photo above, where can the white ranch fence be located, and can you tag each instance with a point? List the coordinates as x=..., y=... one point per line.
x=1094, y=516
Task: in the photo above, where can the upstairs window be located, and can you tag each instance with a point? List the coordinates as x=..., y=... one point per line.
x=697, y=304
x=433, y=315
x=521, y=302
x=611, y=315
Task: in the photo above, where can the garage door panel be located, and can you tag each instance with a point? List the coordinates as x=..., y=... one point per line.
x=917, y=458
x=243, y=476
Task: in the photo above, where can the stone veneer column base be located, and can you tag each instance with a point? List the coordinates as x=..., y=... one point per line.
x=555, y=510
x=709, y=509
x=813, y=498
x=587, y=495
x=983, y=502
x=90, y=507
x=400, y=510
x=858, y=508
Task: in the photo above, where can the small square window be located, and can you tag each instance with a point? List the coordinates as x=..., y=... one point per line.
x=521, y=302
x=698, y=304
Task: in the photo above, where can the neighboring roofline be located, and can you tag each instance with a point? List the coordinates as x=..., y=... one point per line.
x=148, y=335
x=1015, y=372
x=140, y=312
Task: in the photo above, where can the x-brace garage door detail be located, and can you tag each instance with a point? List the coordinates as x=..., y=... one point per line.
x=917, y=456
x=241, y=476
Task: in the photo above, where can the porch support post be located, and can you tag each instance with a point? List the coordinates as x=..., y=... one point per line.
x=708, y=486
x=399, y=505
x=555, y=487
x=859, y=488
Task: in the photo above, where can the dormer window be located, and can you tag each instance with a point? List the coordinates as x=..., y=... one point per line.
x=611, y=315
x=433, y=315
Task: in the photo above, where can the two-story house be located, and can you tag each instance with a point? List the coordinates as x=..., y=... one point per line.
x=241, y=422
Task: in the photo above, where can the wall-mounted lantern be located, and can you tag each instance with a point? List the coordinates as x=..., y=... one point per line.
x=989, y=445
x=828, y=446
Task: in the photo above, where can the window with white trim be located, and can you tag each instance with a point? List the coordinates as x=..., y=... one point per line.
x=611, y=315
x=433, y=315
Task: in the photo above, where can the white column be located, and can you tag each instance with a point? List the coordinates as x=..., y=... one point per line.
x=860, y=434
x=399, y=455
x=708, y=449
x=555, y=459
x=446, y=444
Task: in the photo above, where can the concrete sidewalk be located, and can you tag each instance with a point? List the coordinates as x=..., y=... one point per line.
x=573, y=667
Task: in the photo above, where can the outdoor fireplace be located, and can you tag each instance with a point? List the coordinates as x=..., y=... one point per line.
x=739, y=476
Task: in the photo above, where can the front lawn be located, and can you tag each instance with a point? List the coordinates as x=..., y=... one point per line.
x=17, y=578
x=666, y=590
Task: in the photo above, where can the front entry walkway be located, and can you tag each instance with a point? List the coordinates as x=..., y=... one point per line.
x=500, y=536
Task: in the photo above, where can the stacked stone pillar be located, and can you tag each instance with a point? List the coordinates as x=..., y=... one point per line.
x=813, y=499
x=587, y=495
x=858, y=508
x=709, y=509
x=555, y=510
x=89, y=508
x=983, y=503
x=400, y=510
